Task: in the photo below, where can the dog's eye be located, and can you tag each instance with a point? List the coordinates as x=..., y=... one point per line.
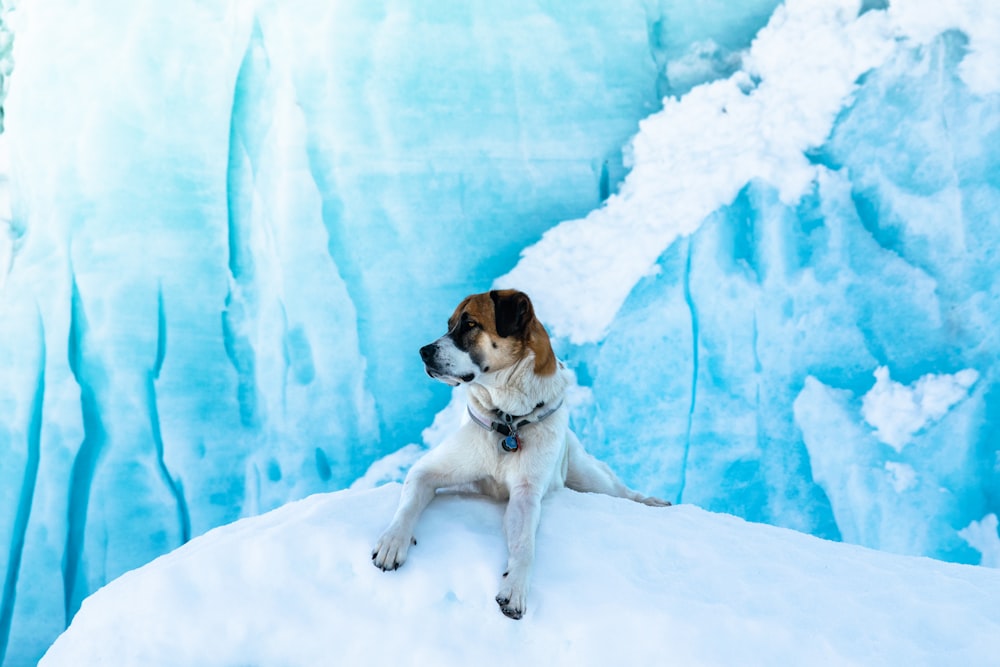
x=471, y=325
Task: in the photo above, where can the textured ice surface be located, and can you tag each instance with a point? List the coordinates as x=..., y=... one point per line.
x=233, y=224
x=760, y=334
x=854, y=235
x=699, y=152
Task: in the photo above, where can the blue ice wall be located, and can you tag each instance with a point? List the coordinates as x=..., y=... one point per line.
x=233, y=225
x=760, y=334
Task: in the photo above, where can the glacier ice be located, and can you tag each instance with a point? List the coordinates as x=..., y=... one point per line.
x=232, y=224
x=870, y=255
x=698, y=153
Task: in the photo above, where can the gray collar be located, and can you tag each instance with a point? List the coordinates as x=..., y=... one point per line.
x=507, y=424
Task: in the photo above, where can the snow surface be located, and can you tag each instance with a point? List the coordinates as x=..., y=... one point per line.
x=615, y=583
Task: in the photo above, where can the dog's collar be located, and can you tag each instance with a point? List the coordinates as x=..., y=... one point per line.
x=507, y=424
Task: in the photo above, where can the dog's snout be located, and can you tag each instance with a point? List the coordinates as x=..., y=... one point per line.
x=427, y=353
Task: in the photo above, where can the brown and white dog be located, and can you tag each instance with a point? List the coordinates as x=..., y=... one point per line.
x=517, y=445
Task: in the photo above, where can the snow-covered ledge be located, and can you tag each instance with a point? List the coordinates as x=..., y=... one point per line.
x=615, y=583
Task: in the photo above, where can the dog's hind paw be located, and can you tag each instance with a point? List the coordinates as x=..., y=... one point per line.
x=390, y=551
x=652, y=501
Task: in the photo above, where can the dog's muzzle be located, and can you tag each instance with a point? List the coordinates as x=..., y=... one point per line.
x=433, y=367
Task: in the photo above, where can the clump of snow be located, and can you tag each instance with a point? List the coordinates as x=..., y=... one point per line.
x=615, y=583
x=699, y=151
x=923, y=20
x=983, y=536
x=902, y=475
x=897, y=411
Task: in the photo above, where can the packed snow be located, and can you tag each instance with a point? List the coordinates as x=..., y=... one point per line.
x=765, y=238
x=897, y=412
x=983, y=536
x=615, y=583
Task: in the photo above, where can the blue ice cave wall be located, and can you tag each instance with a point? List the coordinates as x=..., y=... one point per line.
x=772, y=334
x=233, y=224
x=804, y=327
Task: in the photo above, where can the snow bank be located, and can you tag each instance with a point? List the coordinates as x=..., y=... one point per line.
x=615, y=583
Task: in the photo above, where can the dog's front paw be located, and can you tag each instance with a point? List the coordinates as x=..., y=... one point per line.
x=655, y=502
x=390, y=550
x=512, y=599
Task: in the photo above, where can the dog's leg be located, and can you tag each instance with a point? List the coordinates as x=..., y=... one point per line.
x=591, y=475
x=520, y=524
x=390, y=550
x=426, y=476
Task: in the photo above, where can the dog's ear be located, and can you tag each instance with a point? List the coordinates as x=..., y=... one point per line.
x=512, y=311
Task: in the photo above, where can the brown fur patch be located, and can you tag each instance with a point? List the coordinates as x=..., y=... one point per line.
x=503, y=351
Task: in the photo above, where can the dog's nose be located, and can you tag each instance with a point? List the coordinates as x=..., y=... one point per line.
x=427, y=353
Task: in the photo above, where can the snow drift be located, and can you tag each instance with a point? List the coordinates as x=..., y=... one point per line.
x=615, y=583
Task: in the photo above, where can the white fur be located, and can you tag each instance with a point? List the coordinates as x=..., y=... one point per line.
x=452, y=363
x=550, y=457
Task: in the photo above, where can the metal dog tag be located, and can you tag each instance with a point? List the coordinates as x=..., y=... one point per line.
x=511, y=443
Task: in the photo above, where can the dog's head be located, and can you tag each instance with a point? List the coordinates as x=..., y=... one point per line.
x=487, y=333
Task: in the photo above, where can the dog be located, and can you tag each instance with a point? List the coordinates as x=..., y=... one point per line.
x=516, y=446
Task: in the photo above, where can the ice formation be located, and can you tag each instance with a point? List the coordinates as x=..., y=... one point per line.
x=232, y=225
x=784, y=236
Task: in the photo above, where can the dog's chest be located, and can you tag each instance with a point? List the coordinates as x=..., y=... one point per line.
x=538, y=461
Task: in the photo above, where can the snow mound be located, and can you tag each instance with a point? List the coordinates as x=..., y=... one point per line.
x=614, y=583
